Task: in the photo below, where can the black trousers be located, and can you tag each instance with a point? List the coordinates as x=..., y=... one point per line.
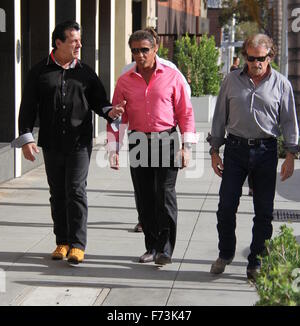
x=67, y=179
x=156, y=200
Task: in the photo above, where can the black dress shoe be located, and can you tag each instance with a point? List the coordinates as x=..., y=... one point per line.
x=162, y=258
x=148, y=256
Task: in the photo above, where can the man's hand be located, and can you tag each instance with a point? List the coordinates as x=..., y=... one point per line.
x=287, y=168
x=29, y=150
x=184, y=157
x=114, y=160
x=117, y=110
x=217, y=164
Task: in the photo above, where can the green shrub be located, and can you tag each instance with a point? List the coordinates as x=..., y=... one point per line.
x=280, y=147
x=163, y=52
x=199, y=64
x=275, y=66
x=276, y=284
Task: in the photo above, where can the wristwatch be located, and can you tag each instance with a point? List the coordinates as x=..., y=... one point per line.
x=213, y=150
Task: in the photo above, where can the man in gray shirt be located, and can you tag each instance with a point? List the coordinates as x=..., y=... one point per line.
x=254, y=105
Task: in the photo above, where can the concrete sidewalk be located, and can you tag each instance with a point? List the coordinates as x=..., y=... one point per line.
x=110, y=274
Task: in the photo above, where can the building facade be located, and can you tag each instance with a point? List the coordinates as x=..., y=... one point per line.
x=25, y=39
x=179, y=17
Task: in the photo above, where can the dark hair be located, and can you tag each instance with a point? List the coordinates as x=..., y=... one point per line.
x=152, y=31
x=259, y=40
x=140, y=36
x=59, y=31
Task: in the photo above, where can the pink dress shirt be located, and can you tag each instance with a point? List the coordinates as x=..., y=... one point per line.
x=158, y=106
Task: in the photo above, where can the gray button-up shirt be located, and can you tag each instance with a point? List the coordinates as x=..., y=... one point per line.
x=250, y=111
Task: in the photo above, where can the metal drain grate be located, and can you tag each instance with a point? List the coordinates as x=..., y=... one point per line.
x=286, y=215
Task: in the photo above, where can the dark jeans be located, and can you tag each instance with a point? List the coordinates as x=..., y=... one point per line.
x=156, y=201
x=67, y=179
x=240, y=159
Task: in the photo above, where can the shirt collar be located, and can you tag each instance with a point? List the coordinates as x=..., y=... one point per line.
x=51, y=60
x=159, y=67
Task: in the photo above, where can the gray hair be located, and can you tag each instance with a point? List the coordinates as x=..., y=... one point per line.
x=140, y=36
x=259, y=40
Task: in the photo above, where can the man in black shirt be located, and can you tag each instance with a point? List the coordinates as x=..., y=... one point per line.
x=64, y=91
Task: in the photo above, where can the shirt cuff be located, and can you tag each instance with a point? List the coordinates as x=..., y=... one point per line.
x=292, y=149
x=106, y=109
x=22, y=140
x=216, y=142
x=189, y=137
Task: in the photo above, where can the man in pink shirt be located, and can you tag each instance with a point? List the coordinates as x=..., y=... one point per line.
x=157, y=102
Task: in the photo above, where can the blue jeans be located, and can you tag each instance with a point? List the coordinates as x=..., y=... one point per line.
x=240, y=159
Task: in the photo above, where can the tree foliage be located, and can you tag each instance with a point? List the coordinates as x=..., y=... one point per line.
x=198, y=61
x=255, y=11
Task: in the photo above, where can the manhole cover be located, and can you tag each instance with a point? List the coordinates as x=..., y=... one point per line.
x=286, y=215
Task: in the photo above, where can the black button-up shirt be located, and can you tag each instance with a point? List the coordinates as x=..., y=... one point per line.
x=64, y=100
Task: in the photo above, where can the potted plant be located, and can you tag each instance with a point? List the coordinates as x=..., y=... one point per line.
x=198, y=61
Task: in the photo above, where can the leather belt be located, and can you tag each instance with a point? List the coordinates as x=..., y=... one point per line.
x=251, y=141
x=154, y=134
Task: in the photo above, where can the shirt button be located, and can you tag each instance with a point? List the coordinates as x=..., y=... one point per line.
x=63, y=119
x=64, y=132
x=64, y=94
x=64, y=107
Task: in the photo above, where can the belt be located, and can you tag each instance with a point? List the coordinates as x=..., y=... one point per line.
x=251, y=141
x=152, y=134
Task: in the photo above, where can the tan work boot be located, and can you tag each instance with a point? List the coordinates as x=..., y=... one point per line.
x=75, y=256
x=219, y=265
x=60, y=252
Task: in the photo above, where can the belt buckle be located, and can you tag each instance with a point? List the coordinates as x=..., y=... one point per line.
x=251, y=142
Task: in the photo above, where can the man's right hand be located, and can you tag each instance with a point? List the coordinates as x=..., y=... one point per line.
x=217, y=164
x=114, y=160
x=117, y=110
x=29, y=150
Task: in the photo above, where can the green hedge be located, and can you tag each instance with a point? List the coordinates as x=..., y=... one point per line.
x=198, y=61
x=278, y=283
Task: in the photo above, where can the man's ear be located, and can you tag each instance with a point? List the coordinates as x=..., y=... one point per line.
x=58, y=43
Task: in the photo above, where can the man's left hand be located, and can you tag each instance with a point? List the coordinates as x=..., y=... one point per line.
x=287, y=168
x=117, y=110
x=184, y=157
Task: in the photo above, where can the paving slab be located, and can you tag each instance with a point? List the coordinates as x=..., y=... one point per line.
x=111, y=274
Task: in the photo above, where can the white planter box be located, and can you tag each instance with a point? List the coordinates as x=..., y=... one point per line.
x=204, y=107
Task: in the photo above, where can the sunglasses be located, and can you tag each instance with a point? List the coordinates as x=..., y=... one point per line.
x=250, y=58
x=140, y=50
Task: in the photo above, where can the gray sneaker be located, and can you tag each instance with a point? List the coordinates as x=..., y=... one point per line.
x=219, y=265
